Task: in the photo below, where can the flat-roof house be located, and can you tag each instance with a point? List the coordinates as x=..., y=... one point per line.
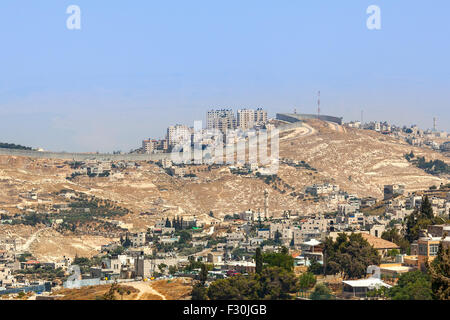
x=359, y=288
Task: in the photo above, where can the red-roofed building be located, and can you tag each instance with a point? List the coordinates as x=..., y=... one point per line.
x=29, y=264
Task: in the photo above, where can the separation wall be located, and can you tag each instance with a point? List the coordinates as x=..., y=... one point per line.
x=293, y=117
x=114, y=157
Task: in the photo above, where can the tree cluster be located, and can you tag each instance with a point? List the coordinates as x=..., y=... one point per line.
x=349, y=255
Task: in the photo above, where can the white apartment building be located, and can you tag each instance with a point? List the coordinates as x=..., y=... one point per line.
x=149, y=145
x=249, y=118
x=178, y=134
x=222, y=120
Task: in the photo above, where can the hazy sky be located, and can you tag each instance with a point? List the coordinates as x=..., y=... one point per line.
x=136, y=67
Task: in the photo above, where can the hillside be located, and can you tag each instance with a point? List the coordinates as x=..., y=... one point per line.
x=360, y=162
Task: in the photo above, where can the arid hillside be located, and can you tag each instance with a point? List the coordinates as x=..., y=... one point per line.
x=361, y=162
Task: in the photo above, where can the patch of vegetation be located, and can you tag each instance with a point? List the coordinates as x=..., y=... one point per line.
x=349, y=255
x=394, y=236
x=85, y=264
x=33, y=219
x=321, y=292
x=43, y=272
x=439, y=270
x=276, y=183
x=414, y=285
x=300, y=164
x=274, y=283
x=84, y=212
x=421, y=219
x=273, y=280
x=13, y=146
x=434, y=167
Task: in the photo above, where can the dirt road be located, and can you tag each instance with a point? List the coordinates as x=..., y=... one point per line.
x=144, y=288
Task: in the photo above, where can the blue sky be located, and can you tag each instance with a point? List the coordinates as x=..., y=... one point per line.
x=136, y=67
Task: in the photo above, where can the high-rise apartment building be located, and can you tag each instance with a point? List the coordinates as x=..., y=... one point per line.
x=178, y=134
x=249, y=118
x=149, y=145
x=222, y=120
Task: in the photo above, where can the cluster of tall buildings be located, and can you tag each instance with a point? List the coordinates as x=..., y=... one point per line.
x=221, y=119
x=245, y=119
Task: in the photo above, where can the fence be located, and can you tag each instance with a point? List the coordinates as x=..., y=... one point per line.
x=36, y=288
x=92, y=282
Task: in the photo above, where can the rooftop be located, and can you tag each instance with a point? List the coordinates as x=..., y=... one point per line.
x=367, y=283
x=379, y=243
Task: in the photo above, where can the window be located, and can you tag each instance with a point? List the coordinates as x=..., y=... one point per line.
x=434, y=248
x=423, y=249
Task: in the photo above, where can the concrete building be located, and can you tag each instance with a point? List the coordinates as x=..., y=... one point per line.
x=215, y=257
x=428, y=248
x=222, y=120
x=144, y=267
x=149, y=145
x=249, y=118
x=393, y=190
x=138, y=239
x=178, y=134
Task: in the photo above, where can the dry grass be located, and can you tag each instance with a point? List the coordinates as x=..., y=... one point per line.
x=149, y=296
x=94, y=293
x=178, y=289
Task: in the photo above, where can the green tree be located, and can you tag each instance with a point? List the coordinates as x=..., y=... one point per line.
x=199, y=292
x=234, y=288
x=307, y=281
x=414, y=285
x=172, y=270
x=280, y=259
x=321, y=292
x=419, y=220
x=440, y=274
x=426, y=209
x=185, y=237
x=277, y=283
x=273, y=283
x=393, y=253
x=110, y=294
x=315, y=268
x=277, y=237
x=394, y=236
x=258, y=261
x=349, y=255
x=162, y=267
x=203, y=275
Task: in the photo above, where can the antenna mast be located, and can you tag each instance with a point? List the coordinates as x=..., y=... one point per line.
x=318, y=105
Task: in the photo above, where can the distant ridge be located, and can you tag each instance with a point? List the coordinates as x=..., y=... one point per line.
x=13, y=146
